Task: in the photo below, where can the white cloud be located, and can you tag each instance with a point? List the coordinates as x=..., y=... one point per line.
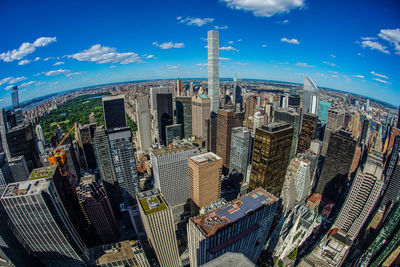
x=43, y=41
x=173, y=67
x=112, y=66
x=334, y=72
x=9, y=87
x=27, y=84
x=368, y=38
x=230, y=42
x=332, y=55
x=335, y=76
x=221, y=27
x=56, y=72
x=303, y=64
x=48, y=58
x=75, y=73
x=5, y=80
x=262, y=8
x=242, y=63
x=360, y=54
x=290, y=41
x=58, y=63
x=190, y=21
x=103, y=54
x=12, y=80
x=36, y=59
x=239, y=40
x=379, y=75
x=229, y=48
x=264, y=45
x=169, y=45
x=283, y=22
x=24, y=62
x=381, y=81
x=202, y=64
x=149, y=56
x=283, y=63
x=224, y=58
x=392, y=36
x=375, y=46
x=359, y=76
x=329, y=63
x=25, y=49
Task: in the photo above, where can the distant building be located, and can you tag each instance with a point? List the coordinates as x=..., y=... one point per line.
x=159, y=224
x=291, y=117
x=5, y=173
x=184, y=114
x=241, y=148
x=323, y=111
x=334, y=122
x=14, y=97
x=84, y=136
x=143, y=120
x=310, y=97
x=173, y=132
x=19, y=169
x=114, y=111
x=162, y=110
x=232, y=228
x=211, y=128
x=200, y=112
x=271, y=154
x=250, y=103
x=213, y=69
x=289, y=192
x=237, y=93
x=392, y=181
x=258, y=121
x=308, y=132
x=41, y=140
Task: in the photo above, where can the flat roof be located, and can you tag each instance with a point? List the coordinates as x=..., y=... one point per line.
x=40, y=173
x=114, y=252
x=211, y=222
x=230, y=259
x=205, y=158
x=172, y=149
x=152, y=201
x=275, y=127
x=30, y=187
x=113, y=97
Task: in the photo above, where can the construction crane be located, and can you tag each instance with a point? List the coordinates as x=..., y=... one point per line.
x=58, y=157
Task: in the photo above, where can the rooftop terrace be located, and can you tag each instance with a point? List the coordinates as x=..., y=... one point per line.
x=205, y=158
x=152, y=201
x=30, y=187
x=172, y=149
x=45, y=172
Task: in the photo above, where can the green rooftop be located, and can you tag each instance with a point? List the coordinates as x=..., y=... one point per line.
x=40, y=173
x=152, y=204
x=203, y=96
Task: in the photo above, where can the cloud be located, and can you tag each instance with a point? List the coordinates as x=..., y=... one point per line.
x=283, y=63
x=290, y=41
x=75, y=73
x=149, y=56
x=242, y=63
x=262, y=8
x=283, y=22
x=368, y=38
x=202, y=64
x=25, y=49
x=374, y=46
x=264, y=45
x=48, y=58
x=24, y=62
x=239, y=40
x=169, y=45
x=230, y=42
x=379, y=75
x=103, y=54
x=303, y=64
x=332, y=55
x=329, y=63
x=12, y=80
x=225, y=27
x=36, y=59
x=392, y=36
x=224, y=58
x=56, y=72
x=335, y=76
x=381, y=81
x=360, y=54
x=9, y=87
x=27, y=84
x=58, y=63
x=112, y=66
x=359, y=76
x=190, y=21
x=173, y=67
x=229, y=48
x=334, y=72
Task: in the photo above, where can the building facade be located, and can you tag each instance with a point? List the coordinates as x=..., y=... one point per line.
x=213, y=69
x=308, y=131
x=310, y=97
x=241, y=147
x=114, y=111
x=184, y=114
x=143, y=120
x=200, y=112
x=291, y=117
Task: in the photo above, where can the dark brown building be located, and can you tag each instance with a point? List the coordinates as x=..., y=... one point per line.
x=307, y=133
x=250, y=104
x=271, y=153
x=226, y=120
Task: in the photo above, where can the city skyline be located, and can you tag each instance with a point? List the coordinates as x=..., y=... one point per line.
x=106, y=44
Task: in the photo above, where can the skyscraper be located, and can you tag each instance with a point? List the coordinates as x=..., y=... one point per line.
x=338, y=160
x=158, y=222
x=291, y=117
x=398, y=119
x=271, y=154
x=123, y=157
x=84, y=135
x=240, y=226
x=97, y=209
x=204, y=179
x=14, y=97
x=323, y=111
x=161, y=106
x=240, y=150
x=41, y=140
x=250, y=103
x=143, y=120
x=173, y=132
x=310, y=97
x=19, y=168
x=213, y=69
x=3, y=131
x=200, y=112
x=5, y=173
x=114, y=111
x=308, y=132
x=237, y=93
x=184, y=114
x=226, y=120
x=258, y=121
x=37, y=212
x=334, y=122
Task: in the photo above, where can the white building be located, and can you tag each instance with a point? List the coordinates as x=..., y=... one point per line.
x=213, y=69
x=143, y=120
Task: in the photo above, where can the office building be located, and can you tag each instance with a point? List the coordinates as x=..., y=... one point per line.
x=213, y=69
x=46, y=230
x=323, y=111
x=105, y=163
x=294, y=102
x=258, y=121
x=367, y=106
x=338, y=160
x=360, y=201
x=5, y=173
x=211, y=132
x=392, y=181
x=123, y=157
x=200, y=112
x=159, y=224
x=3, y=130
x=229, y=258
x=226, y=120
x=308, y=132
x=184, y=114
x=364, y=131
x=124, y=253
x=205, y=172
x=19, y=169
x=291, y=117
x=310, y=97
x=21, y=142
x=162, y=111
x=289, y=191
x=84, y=135
x=241, y=226
x=170, y=170
x=173, y=132
x=14, y=97
x=334, y=122
x=143, y=120
x=303, y=179
x=114, y=111
x=97, y=209
x=271, y=152
x=250, y=104
x=41, y=141
x=237, y=94
x=241, y=147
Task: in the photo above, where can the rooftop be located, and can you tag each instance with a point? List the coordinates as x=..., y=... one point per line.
x=230, y=259
x=114, y=97
x=40, y=173
x=152, y=201
x=172, y=149
x=30, y=187
x=275, y=127
x=211, y=222
x=205, y=158
x=113, y=253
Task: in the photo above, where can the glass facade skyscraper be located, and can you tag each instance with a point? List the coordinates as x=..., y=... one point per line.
x=213, y=69
x=114, y=111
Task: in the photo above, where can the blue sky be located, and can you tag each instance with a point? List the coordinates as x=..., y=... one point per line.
x=50, y=46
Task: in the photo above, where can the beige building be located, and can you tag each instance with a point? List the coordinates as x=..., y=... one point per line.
x=205, y=179
x=200, y=112
x=160, y=228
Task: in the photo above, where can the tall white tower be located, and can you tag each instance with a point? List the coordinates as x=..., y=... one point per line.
x=213, y=69
x=310, y=97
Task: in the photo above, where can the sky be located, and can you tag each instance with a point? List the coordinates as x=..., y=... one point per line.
x=52, y=46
